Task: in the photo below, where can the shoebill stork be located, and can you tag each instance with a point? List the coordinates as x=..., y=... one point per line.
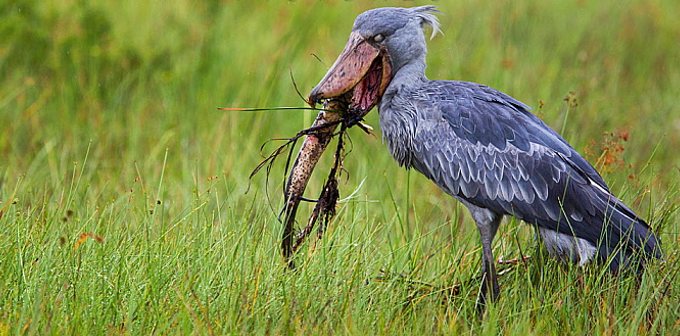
x=483, y=147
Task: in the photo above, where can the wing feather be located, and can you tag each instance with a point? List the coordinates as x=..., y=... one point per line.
x=482, y=146
x=485, y=147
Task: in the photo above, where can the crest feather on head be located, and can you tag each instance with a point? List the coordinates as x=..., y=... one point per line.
x=425, y=13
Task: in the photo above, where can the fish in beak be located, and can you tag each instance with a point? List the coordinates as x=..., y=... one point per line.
x=362, y=71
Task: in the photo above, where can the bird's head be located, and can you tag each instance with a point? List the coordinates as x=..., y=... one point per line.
x=382, y=41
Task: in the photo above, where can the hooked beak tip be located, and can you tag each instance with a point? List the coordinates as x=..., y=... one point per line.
x=314, y=96
x=312, y=101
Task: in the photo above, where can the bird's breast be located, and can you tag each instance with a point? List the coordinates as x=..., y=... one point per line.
x=398, y=124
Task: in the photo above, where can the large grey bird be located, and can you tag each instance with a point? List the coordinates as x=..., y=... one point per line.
x=483, y=147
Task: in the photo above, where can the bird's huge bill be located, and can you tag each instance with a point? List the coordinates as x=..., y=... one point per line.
x=362, y=69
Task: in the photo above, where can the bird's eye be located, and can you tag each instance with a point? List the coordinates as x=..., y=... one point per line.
x=378, y=38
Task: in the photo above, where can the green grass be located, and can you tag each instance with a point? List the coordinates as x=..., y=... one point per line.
x=123, y=189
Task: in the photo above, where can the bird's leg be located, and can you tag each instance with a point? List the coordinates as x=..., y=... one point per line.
x=487, y=231
x=489, y=279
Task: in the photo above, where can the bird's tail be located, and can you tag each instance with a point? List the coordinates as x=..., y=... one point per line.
x=627, y=241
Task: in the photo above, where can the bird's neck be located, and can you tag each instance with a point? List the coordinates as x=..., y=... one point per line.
x=410, y=76
x=397, y=121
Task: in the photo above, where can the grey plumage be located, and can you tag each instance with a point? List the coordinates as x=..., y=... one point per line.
x=488, y=150
x=485, y=147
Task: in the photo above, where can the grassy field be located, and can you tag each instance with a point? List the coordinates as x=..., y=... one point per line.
x=123, y=204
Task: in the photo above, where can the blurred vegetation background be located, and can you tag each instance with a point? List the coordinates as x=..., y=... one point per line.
x=109, y=123
x=137, y=78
